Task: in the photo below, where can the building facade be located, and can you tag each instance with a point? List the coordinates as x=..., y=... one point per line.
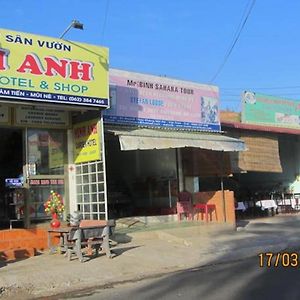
x=155, y=130
x=270, y=129
x=52, y=93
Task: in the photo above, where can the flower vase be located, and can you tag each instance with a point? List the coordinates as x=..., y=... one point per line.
x=55, y=223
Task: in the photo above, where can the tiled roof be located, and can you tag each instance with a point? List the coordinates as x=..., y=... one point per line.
x=266, y=128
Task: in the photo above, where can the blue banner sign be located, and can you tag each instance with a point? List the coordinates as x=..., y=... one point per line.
x=13, y=182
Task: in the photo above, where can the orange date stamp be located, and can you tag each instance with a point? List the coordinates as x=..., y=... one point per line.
x=279, y=259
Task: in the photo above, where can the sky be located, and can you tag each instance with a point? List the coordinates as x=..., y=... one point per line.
x=186, y=40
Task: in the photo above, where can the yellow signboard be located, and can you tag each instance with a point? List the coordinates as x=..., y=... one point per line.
x=44, y=69
x=87, y=142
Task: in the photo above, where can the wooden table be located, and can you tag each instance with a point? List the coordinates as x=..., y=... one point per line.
x=62, y=232
x=88, y=236
x=90, y=233
x=266, y=204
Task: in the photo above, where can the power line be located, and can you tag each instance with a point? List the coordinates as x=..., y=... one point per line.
x=237, y=35
x=105, y=19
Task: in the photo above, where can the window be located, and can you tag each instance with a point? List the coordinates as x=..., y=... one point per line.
x=47, y=151
x=91, y=190
x=39, y=195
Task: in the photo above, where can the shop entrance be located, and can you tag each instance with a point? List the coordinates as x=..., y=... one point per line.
x=11, y=169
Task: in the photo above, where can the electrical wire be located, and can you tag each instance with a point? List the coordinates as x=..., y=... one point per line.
x=105, y=20
x=237, y=36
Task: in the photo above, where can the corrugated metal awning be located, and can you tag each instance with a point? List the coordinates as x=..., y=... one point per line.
x=142, y=138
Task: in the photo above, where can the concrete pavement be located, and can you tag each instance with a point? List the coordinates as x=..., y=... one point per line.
x=149, y=251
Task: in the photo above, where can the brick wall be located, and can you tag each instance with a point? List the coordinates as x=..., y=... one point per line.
x=215, y=197
x=22, y=243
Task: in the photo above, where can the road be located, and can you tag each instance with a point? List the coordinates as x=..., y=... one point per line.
x=234, y=281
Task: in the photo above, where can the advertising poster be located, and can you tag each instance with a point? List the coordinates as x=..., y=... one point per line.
x=269, y=110
x=87, y=141
x=35, y=155
x=56, y=154
x=140, y=99
x=45, y=69
x=41, y=117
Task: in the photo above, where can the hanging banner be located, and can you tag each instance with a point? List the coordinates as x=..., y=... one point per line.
x=46, y=182
x=44, y=69
x=87, y=142
x=153, y=101
x=268, y=110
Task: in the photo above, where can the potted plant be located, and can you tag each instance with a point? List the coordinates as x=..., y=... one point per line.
x=54, y=206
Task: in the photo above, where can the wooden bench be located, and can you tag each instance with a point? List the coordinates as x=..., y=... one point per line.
x=92, y=235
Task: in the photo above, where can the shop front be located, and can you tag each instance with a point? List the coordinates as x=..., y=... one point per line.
x=151, y=129
x=52, y=93
x=266, y=177
x=32, y=162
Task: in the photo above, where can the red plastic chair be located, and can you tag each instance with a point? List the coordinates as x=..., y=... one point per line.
x=205, y=209
x=185, y=207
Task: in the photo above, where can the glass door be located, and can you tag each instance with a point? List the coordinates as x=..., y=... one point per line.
x=46, y=160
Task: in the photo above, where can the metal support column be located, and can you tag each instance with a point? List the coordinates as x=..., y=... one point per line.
x=222, y=186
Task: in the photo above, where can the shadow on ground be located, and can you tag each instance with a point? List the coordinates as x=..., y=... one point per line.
x=244, y=279
x=235, y=280
x=19, y=254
